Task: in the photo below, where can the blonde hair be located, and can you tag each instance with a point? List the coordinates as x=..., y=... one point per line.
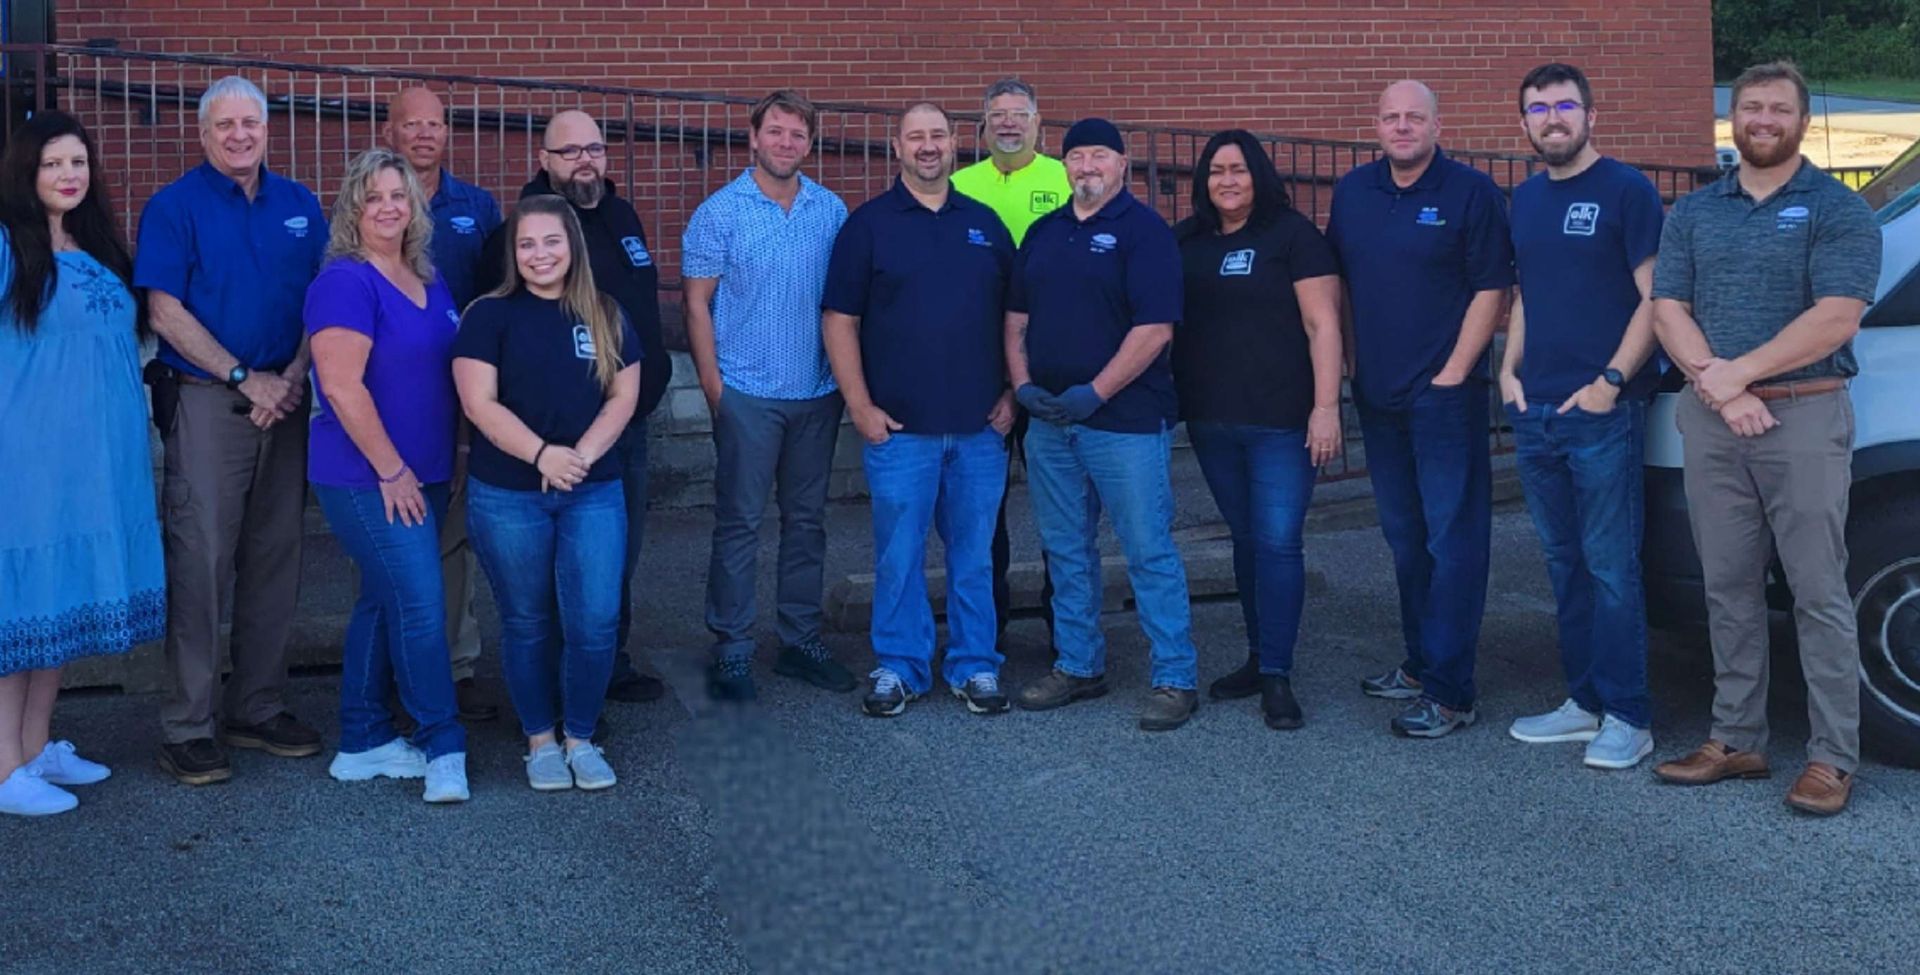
x=579, y=297
x=351, y=204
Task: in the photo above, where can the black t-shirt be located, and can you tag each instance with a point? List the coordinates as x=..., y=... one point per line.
x=1241, y=355
x=546, y=364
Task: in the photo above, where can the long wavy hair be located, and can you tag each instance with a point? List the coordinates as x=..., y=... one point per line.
x=91, y=224
x=351, y=204
x=579, y=297
x=1270, y=197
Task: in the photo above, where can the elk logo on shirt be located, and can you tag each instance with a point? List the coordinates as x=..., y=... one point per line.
x=582, y=342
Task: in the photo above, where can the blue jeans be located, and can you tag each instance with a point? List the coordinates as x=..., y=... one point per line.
x=633, y=489
x=952, y=483
x=1581, y=472
x=397, y=636
x=553, y=559
x=1262, y=479
x=1432, y=482
x=1074, y=471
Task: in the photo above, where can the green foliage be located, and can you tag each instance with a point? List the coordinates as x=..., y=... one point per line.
x=1826, y=38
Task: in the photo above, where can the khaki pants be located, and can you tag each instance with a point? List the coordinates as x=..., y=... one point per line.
x=1784, y=490
x=457, y=569
x=233, y=499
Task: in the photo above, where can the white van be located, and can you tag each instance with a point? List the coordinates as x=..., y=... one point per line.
x=1883, y=524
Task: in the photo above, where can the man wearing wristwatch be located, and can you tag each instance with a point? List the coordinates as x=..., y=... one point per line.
x=226, y=254
x=1585, y=233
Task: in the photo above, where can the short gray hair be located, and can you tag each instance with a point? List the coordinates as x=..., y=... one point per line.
x=1011, y=86
x=232, y=86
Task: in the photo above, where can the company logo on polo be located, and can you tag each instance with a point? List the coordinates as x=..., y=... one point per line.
x=297, y=226
x=977, y=237
x=1103, y=243
x=453, y=316
x=464, y=225
x=1581, y=219
x=1237, y=263
x=1792, y=218
x=582, y=342
x=1430, y=217
x=636, y=251
x=1043, y=201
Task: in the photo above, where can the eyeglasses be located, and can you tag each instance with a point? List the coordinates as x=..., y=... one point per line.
x=1009, y=115
x=596, y=150
x=1541, y=109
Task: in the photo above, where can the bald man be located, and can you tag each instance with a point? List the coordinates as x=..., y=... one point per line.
x=464, y=216
x=1424, y=248
x=573, y=165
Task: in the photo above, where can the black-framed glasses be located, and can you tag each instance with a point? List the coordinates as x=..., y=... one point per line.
x=1565, y=107
x=570, y=152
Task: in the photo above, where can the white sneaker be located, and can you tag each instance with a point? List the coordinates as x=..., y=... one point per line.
x=547, y=769
x=447, y=778
x=395, y=760
x=58, y=764
x=1619, y=745
x=1568, y=722
x=25, y=793
x=590, y=768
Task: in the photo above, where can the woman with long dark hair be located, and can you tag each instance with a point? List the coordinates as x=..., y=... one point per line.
x=549, y=374
x=1257, y=366
x=80, y=560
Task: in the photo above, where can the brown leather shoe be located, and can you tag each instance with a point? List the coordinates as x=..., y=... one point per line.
x=1712, y=762
x=1821, y=790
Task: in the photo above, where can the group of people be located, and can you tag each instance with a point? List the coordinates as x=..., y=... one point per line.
x=1021, y=301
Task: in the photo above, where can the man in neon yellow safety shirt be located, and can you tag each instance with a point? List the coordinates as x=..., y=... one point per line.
x=1019, y=183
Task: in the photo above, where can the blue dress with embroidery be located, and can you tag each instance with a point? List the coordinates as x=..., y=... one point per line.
x=80, y=558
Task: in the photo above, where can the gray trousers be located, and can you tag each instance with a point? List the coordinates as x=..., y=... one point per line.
x=1784, y=490
x=233, y=498
x=762, y=448
x=457, y=569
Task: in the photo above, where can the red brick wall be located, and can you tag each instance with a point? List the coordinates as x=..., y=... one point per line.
x=1297, y=67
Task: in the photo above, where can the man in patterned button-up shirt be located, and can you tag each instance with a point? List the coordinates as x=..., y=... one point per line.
x=754, y=264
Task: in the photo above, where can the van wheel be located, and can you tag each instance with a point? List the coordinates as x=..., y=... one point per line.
x=1883, y=572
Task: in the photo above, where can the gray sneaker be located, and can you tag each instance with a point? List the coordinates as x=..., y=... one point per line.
x=1619, y=745
x=590, y=768
x=1568, y=722
x=547, y=769
x=1394, y=685
x=1427, y=719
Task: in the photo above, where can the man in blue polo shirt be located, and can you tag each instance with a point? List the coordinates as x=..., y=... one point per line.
x=1095, y=293
x=914, y=307
x=463, y=216
x=226, y=253
x=753, y=264
x=1584, y=237
x=1424, y=247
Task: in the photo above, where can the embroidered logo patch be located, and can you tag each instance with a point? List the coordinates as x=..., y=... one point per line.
x=978, y=238
x=582, y=342
x=1237, y=263
x=297, y=226
x=466, y=226
x=1430, y=217
x=1581, y=220
x=1104, y=243
x=1043, y=201
x=1792, y=218
x=636, y=251
x=453, y=316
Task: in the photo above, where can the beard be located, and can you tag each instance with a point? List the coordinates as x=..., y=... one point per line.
x=584, y=194
x=1009, y=144
x=1089, y=192
x=1787, y=149
x=1567, y=153
x=773, y=168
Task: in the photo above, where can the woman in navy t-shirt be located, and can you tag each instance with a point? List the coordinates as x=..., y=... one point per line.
x=380, y=457
x=549, y=373
x=1257, y=368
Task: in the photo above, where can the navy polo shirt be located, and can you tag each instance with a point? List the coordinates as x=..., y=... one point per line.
x=1576, y=242
x=239, y=266
x=464, y=215
x=1414, y=258
x=1084, y=285
x=929, y=288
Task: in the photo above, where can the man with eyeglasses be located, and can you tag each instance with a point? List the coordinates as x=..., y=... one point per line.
x=1424, y=247
x=1585, y=234
x=573, y=161
x=464, y=216
x=1021, y=185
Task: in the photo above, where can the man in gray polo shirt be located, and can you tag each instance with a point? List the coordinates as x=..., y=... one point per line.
x=1760, y=285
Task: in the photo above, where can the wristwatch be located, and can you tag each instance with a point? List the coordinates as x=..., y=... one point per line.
x=1613, y=378
x=237, y=375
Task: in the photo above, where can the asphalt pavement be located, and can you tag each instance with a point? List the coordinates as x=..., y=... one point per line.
x=797, y=835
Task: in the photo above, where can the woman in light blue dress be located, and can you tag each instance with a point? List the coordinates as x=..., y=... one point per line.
x=80, y=557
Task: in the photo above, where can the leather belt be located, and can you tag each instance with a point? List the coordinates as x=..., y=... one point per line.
x=1797, y=390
